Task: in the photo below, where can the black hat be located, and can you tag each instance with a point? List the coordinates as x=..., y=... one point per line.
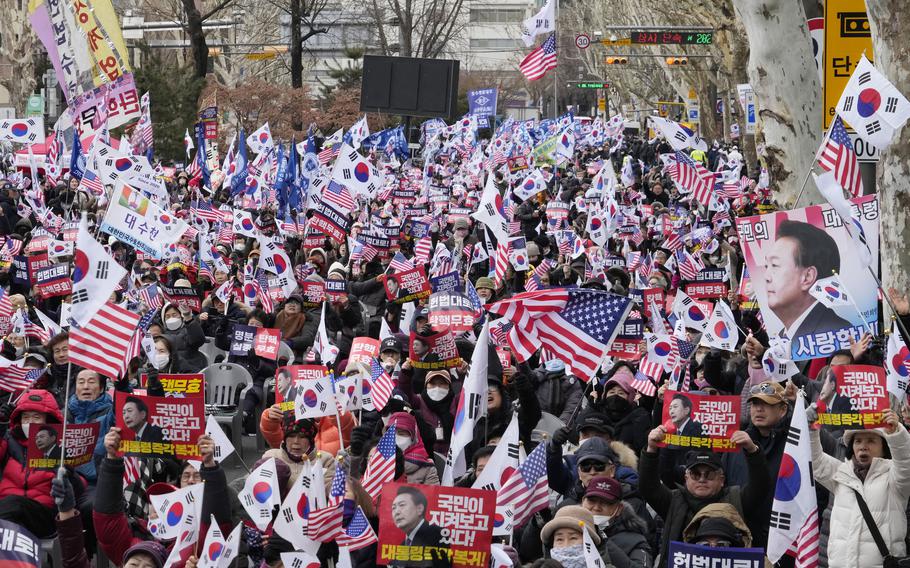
x=596, y=421
x=390, y=344
x=596, y=449
x=718, y=527
x=709, y=459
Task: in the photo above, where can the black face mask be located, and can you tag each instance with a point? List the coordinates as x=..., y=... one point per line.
x=617, y=404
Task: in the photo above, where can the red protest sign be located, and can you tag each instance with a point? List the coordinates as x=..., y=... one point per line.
x=160, y=426
x=363, y=349
x=860, y=398
x=313, y=294
x=267, y=343
x=406, y=286
x=700, y=421
x=420, y=524
x=286, y=379
x=178, y=384
x=437, y=351
x=451, y=311
x=657, y=296
x=45, y=444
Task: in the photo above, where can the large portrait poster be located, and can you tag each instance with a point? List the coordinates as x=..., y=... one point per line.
x=429, y=525
x=788, y=251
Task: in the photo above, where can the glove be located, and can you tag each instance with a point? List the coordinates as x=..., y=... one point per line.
x=6, y=410
x=562, y=435
x=360, y=435
x=62, y=492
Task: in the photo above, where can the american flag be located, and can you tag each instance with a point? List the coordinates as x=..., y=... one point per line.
x=381, y=466
x=338, y=196
x=525, y=492
x=102, y=344
x=263, y=292
x=501, y=265
x=11, y=247
x=642, y=383
x=839, y=156
x=577, y=325
x=24, y=326
x=323, y=525
x=678, y=378
x=6, y=307
x=151, y=297
x=499, y=332
x=422, y=249
x=633, y=260
x=688, y=265
x=328, y=153
x=202, y=209
x=226, y=234
x=535, y=281
x=734, y=189
x=536, y=64
x=91, y=183
x=400, y=263
x=359, y=533
x=381, y=385
x=476, y=302
x=694, y=176
x=135, y=348
x=14, y=378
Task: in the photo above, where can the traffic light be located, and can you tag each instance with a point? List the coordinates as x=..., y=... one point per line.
x=617, y=60
x=677, y=61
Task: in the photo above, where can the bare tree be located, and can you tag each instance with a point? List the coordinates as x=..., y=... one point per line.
x=425, y=27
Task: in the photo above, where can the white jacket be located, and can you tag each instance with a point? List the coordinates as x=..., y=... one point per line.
x=887, y=486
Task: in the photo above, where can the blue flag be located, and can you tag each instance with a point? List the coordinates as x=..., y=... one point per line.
x=238, y=181
x=293, y=184
x=77, y=159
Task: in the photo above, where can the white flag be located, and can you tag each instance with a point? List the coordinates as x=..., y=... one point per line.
x=223, y=446
x=592, y=555
x=178, y=513
x=897, y=364
x=356, y=172
x=686, y=309
x=531, y=186
x=542, y=22
x=96, y=276
x=794, y=513
x=472, y=405
x=359, y=132
x=679, y=137
x=291, y=522
x=213, y=547
x=565, y=145
x=833, y=193
x=721, y=331
x=490, y=211
x=23, y=130
x=188, y=143
x=830, y=291
x=300, y=560
x=872, y=105
x=327, y=352
x=260, y=141
x=261, y=493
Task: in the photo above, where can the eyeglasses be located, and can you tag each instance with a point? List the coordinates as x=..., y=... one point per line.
x=715, y=543
x=191, y=476
x=593, y=466
x=703, y=474
x=764, y=388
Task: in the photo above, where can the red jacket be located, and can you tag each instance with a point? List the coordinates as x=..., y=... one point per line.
x=16, y=478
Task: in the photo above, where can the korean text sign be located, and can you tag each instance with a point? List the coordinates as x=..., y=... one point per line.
x=160, y=426
x=701, y=421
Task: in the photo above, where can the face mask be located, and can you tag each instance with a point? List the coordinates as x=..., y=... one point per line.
x=173, y=323
x=240, y=248
x=616, y=403
x=403, y=442
x=437, y=393
x=602, y=521
x=25, y=428
x=19, y=351
x=161, y=361
x=570, y=556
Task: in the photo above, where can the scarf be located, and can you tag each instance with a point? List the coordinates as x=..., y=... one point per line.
x=291, y=325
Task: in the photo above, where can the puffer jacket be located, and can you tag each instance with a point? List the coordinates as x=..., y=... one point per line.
x=327, y=439
x=187, y=340
x=17, y=479
x=421, y=473
x=89, y=411
x=885, y=490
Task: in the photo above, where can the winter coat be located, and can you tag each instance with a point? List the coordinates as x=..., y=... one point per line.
x=187, y=340
x=721, y=510
x=296, y=465
x=17, y=479
x=439, y=415
x=630, y=427
x=87, y=412
x=422, y=473
x=72, y=542
x=326, y=431
x=629, y=533
x=677, y=506
x=558, y=393
x=885, y=490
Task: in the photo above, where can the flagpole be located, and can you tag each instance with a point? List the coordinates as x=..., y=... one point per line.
x=853, y=301
x=556, y=69
x=812, y=165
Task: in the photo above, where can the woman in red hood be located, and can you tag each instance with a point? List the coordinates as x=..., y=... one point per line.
x=25, y=494
x=418, y=465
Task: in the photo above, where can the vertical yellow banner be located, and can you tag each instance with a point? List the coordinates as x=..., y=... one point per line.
x=847, y=36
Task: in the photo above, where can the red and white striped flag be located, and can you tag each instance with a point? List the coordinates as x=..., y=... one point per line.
x=381, y=385
x=839, y=156
x=642, y=381
x=525, y=492
x=14, y=378
x=102, y=344
x=536, y=64
x=359, y=533
x=695, y=177
x=381, y=466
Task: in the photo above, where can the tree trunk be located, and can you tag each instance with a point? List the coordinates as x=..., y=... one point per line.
x=707, y=106
x=888, y=19
x=198, y=45
x=783, y=75
x=296, y=47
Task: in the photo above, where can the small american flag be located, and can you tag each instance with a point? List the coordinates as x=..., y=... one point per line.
x=381, y=385
x=328, y=153
x=400, y=263
x=338, y=196
x=422, y=249
x=323, y=525
x=642, y=383
x=536, y=64
x=91, y=183
x=839, y=156
x=381, y=467
x=14, y=378
x=694, y=176
x=6, y=307
x=525, y=492
x=202, y=209
x=359, y=533
x=151, y=297
x=535, y=281
x=633, y=260
x=688, y=265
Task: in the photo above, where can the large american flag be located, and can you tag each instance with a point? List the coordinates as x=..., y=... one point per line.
x=839, y=156
x=102, y=344
x=525, y=492
x=694, y=176
x=536, y=64
x=380, y=385
x=358, y=534
x=577, y=325
x=381, y=467
x=323, y=525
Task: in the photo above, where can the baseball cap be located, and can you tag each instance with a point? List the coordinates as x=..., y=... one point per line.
x=596, y=421
x=768, y=392
x=460, y=224
x=718, y=527
x=709, y=459
x=390, y=344
x=605, y=488
x=596, y=449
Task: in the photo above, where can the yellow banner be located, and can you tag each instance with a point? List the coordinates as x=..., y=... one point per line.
x=847, y=36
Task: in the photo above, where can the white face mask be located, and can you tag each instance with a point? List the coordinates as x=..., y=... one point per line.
x=173, y=323
x=161, y=361
x=403, y=442
x=437, y=393
x=25, y=427
x=602, y=521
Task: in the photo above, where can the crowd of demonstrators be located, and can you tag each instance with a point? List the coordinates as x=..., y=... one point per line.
x=609, y=475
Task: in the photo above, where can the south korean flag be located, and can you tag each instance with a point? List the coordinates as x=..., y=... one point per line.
x=261, y=494
x=872, y=105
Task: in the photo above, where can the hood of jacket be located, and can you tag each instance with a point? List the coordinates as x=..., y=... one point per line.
x=38, y=401
x=723, y=510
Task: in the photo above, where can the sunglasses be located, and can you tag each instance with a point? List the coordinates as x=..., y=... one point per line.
x=764, y=388
x=717, y=543
x=593, y=466
x=703, y=474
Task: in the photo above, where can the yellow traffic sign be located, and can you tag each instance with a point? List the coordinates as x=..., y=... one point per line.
x=602, y=104
x=847, y=36
x=623, y=41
